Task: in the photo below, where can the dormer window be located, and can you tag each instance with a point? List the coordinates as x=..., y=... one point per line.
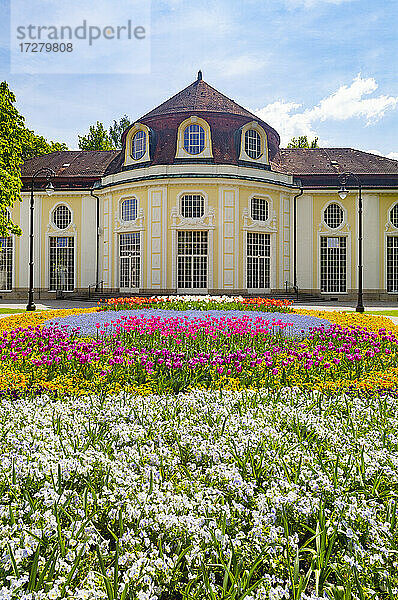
x=129, y=209
x=253, y=143
x=137, y=148
x=194, y=139
x=138, y=145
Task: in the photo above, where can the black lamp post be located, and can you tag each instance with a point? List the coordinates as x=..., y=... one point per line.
x=343, y=194
x=49, y=173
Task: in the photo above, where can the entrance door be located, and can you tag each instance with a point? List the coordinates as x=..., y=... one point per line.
x=129, y=261
x=258, y=261
x=192, y=260
x=62, y=264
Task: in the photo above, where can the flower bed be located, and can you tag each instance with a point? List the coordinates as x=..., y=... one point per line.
x=255, y=496
x=155, y=355
x=205, y=303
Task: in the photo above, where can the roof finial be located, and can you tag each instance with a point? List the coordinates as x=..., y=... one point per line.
x=199, y=75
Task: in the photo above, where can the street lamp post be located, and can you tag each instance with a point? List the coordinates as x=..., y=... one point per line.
x=49, y=173
x=343, y=194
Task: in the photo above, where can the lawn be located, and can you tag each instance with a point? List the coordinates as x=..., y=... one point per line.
x=386, y=313
x=9, y=311
x=200, y=449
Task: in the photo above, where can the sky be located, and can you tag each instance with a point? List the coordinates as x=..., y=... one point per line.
x=325, y=68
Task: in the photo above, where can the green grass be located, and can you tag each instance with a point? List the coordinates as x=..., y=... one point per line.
x=385, y=313
x=12, y=311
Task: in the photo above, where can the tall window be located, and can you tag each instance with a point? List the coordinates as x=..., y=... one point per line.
x=259, y=209
x=192, y=206
x=138, y=145
x=392, y=263
x=129, y=209
x=258, y=260
x=6, y=264
x=333, y=216
x=130, y=258
x=194, y=139
x=252, y=143
x=333, y=264
x=62, y=263
x=62, y=217
x=192, y=259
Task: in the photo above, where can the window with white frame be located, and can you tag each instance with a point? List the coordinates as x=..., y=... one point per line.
x=138, y=145
x=253, y=143
x=62, y=216
x=62, y=263
x=392, y=263
x=194, y=139
x=259, y=210
x=130, y=260
x=129, y=209
x=192, y=252
x=192, y=206
x=333, y=264
x=258, y=247
x=394, y=215
x=6, y=266
x=333, y=215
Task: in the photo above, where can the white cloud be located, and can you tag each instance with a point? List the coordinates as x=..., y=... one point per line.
x=347, y=102
x=392, y=155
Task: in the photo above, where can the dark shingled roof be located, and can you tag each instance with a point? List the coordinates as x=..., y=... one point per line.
x=199, y=96
x=71, y=163
x=331, y=161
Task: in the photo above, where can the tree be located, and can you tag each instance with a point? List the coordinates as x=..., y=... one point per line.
x=17, y=143
x=12, y=131
x=116, y=130
x=302, y=142
x=96, y=139
x=37, y=145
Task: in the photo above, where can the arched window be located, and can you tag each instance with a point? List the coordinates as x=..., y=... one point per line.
x=62, y=217
x=394, y=215
x=253, y=143
x=333, y=216
x=138, y=145
x=192, y=206
x=194, y=138
x=129, y=209
x=259, y=209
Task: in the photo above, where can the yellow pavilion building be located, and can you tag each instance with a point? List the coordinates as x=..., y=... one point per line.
x=201, y=199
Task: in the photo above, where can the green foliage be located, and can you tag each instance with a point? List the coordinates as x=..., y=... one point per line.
x=96, y=139
x=302, y=142
x=11, y=143
x=116, y=130
x=37, y=145
x=17, y=144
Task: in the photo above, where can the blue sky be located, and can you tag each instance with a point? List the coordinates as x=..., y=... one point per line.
x=316, y=67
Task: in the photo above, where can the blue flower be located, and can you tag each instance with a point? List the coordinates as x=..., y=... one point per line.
x=87, y=322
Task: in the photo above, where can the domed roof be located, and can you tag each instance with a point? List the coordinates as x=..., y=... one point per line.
x=199, y=96
x=225, y=118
